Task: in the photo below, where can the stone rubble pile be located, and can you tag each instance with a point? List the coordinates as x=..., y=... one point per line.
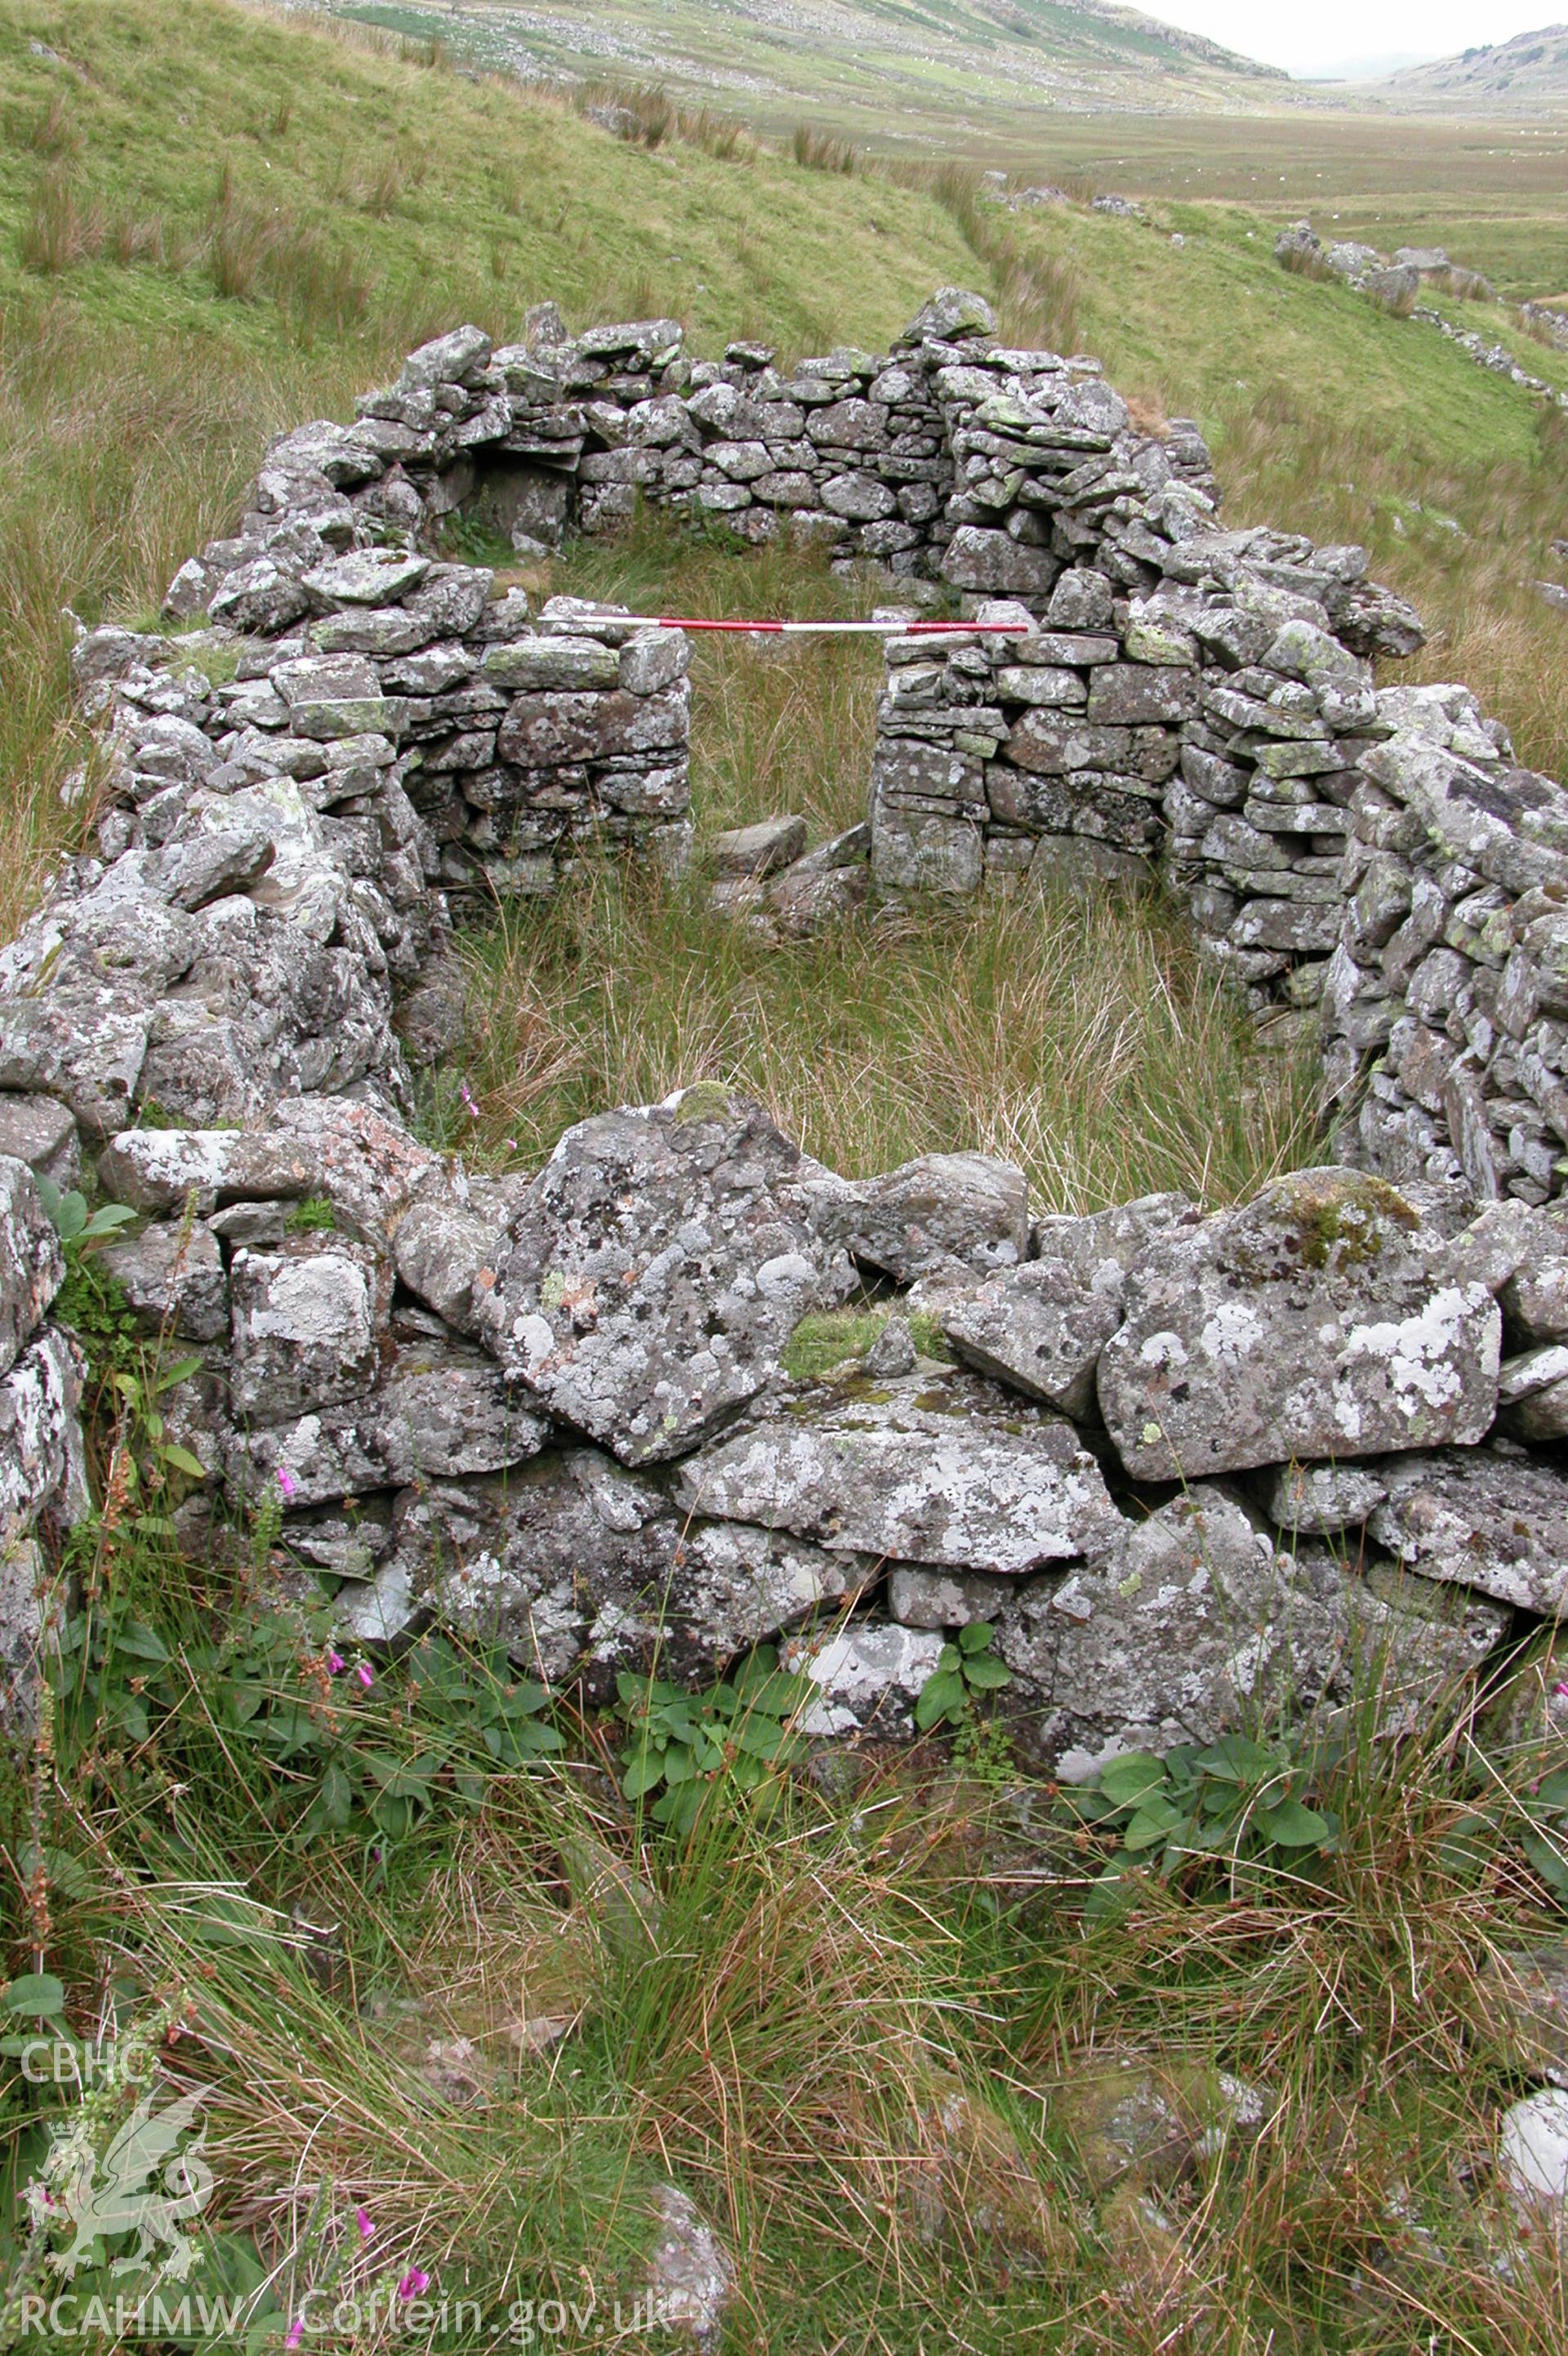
x=1360, y=265
x=1399, y=283
x=1495, y=356
x=1548, y=320
x=1189, y=1466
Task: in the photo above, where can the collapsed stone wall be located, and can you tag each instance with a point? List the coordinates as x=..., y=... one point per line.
x=1189, y=1466
x=1377, y=855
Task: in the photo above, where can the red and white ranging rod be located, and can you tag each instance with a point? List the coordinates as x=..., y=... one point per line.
x=807, y=629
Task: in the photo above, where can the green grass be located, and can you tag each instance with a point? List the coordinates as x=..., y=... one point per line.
x=856, y=2033
x=1491, y=190
x=868, y=2035
x=1077, y=1036
x=232, y=262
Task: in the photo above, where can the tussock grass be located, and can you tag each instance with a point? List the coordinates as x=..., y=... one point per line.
x=646, y=116
x=859, y=2032
x=1079, y=1036
x=1039, y=291
x=819, y=151
x=1075, y=1036
x=63, y=227
x=1302, y=262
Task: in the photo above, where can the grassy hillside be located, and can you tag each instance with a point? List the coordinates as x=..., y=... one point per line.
x=214, y=223
x=901, y=72
x=1009, y=88
x=1529, y=71
x=265, y=181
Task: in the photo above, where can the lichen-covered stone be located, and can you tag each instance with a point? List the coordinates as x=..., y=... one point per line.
x=1484, y=1518
x=944, y=1599
x=438, y=1414
x=1203, y=1621
x=944, y=1470
x=1041, y=1326
x=440, y=1246
x=945, y=1208
x=173, y=1275
x=39, y=1132
x=307, y=1327
x=1312, y=1323
x=86, y=1048
x=24, y=1613
x=1320, y=1500
x=32, y=1266
x=1196, y=1619
x=367, y=1166
x=658, y=1265
x=40, y=1439
x=869, y=1676
x=584, y=1568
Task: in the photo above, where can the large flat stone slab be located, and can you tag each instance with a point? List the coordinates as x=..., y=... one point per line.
x=946, y=1471
x=367, y=1166
x=1317, y=1321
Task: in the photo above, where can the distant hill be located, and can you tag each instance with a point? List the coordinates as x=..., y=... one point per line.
x=906, y=73
x=1369, y=68
x=1532, y=69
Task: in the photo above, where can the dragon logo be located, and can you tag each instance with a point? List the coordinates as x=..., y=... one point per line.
x=143, y=2184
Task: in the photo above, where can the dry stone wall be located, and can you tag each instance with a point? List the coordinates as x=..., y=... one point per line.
x=1190, y=1466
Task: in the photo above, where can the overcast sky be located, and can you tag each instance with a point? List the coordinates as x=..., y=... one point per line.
x=1304, y=40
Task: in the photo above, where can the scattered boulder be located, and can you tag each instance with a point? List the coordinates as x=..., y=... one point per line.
x=1153, y=2120
x=691, y=2277
x=1532, y=2150
x=759, y=849
x=970, y=2183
